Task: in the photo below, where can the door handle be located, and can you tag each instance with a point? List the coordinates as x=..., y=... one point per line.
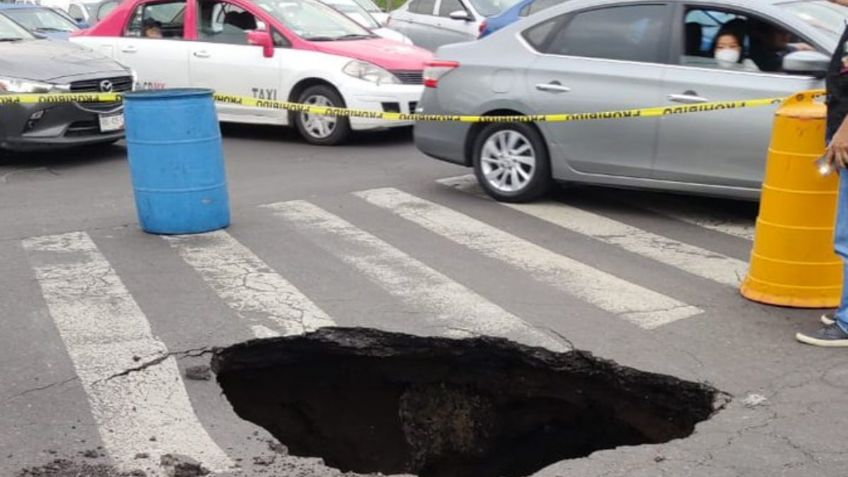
x=553, y=87
x=129, y=49
x=202, y=54
x=687, y=98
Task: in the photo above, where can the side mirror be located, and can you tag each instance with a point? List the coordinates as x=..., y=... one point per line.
x=263, y=39
x=807, y=62
x=82, y=23
x=460, y=15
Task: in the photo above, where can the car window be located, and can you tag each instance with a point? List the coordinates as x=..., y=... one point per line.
x=10, y=30
x=822, y=14
x=223, y=22
x=489, y=8
x=424, y=7
x=76, y=12
x=106, y=8
x=632, y=33
x=158, y=21
x=540, y=5
x=538, y=36
x=314, y=21
x=355, y=12
x=41, y=20
x=449, y=6
x=728, y=39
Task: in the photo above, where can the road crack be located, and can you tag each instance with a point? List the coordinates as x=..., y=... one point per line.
x=190, y=353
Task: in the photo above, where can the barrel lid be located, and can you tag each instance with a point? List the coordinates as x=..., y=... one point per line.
x=804, y=105
x=170, y=93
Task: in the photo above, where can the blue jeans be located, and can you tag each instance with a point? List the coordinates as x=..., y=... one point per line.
x=841, y=245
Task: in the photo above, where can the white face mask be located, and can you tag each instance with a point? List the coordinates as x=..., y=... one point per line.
x=728, y=56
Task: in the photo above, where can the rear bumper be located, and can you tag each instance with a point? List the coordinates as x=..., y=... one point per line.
x=59, y=126
x=441, y=140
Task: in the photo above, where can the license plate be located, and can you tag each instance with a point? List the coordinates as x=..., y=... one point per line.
x=111, y=122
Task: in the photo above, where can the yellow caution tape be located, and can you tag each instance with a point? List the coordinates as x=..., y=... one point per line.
x=369, y=114
x=59, y=98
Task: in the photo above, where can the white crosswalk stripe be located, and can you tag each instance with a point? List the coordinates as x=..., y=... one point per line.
x=639, y=305
x=673, y=207
x=109, y=340
x=695, y=260
x=448, y=305
x=248, y=285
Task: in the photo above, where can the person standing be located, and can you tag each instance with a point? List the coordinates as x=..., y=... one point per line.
x=834, y=332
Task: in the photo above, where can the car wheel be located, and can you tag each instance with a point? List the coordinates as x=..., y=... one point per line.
x=511, y=162
x=317, y=129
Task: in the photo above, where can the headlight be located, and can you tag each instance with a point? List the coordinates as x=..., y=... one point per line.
x=15, y=85
x=369, y=72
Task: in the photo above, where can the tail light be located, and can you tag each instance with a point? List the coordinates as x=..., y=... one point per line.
x=434, y=70
x=483, y=25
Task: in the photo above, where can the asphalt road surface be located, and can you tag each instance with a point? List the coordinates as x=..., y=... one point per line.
x=100, y=321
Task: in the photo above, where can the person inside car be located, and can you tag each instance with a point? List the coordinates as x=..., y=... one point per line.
x=728, y=51
x=769, y=44
x=152, y=29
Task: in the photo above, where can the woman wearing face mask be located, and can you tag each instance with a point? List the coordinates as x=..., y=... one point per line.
x=728, y=52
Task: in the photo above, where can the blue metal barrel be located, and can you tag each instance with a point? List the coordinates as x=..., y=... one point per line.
x=176, y=161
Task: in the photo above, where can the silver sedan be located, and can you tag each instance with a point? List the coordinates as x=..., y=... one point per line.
x=591, y=56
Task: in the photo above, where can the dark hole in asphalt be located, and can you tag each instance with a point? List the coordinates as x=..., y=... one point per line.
x=371, y=401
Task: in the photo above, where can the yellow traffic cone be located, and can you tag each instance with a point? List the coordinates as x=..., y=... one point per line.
x=793, y=263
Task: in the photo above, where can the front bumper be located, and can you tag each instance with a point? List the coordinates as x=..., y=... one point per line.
x=394, y=98
x=59, y=126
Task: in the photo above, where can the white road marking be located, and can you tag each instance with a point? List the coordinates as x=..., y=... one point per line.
x=248, y=285
x=450, y=306
x=260, y=331
x=107, y=334
x=639, y=305
x=680, y=209
x=695, y=260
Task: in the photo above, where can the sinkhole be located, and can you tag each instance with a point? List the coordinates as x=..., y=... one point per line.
x=366, y=400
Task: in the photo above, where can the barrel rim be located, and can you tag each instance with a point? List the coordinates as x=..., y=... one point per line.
x=169, y=93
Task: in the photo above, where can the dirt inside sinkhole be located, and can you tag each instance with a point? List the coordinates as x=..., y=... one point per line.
x=366, y=400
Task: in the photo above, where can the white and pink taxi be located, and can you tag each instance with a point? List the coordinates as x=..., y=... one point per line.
x=286, y=50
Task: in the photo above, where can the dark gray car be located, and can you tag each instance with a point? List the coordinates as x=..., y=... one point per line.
x=31, y=65
x=605, y=55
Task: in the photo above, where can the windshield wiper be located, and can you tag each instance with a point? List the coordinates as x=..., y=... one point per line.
x=11, y=39
x=51, y=29
x=355, y=37
x=321, y=38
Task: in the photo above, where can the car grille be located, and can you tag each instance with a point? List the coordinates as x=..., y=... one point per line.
x=83, y=128
x=119, y=85
x=410, y=77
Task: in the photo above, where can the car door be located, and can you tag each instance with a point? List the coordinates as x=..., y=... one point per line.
x=449, y=30
x=417, y=22
x=726, y=147
x=159, y=62
x=594, y=60
x=222, y=59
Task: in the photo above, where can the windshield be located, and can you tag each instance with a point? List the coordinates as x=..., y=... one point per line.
x=314, y=21
x=10, y=31
x=821, y=14
x=369, y=6
x=355, y=12
x=40, y=19
x=489, y=8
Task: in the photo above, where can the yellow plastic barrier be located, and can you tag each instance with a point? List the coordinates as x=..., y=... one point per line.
x=793, y=263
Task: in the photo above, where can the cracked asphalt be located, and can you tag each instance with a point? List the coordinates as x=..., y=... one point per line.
x=785, y=417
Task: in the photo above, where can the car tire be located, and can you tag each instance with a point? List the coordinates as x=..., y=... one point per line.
x=511, y=162
x=322, y=130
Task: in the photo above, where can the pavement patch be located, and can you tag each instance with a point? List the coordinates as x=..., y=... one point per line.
x=366, y=400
